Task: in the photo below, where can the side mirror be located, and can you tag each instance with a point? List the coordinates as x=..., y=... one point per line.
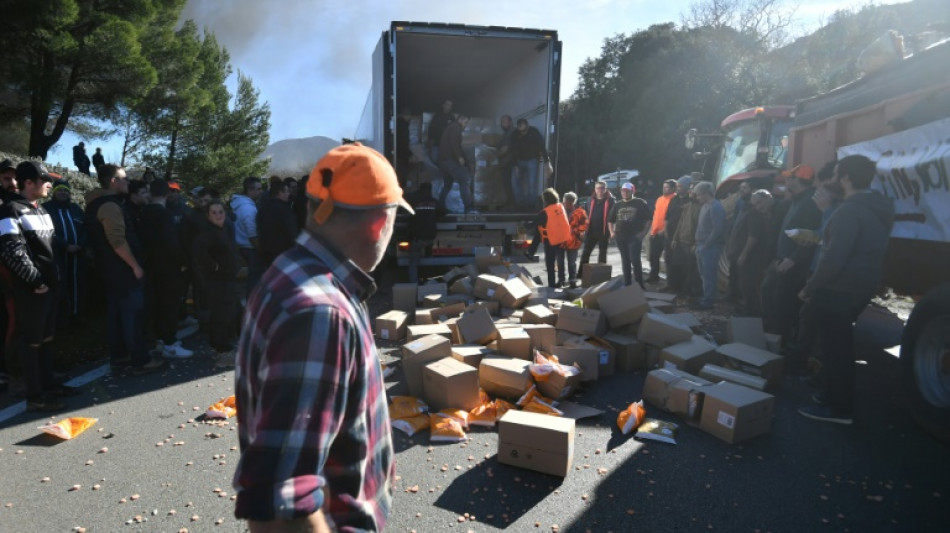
x=691, y=138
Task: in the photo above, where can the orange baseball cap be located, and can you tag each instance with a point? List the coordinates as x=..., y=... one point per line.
x=173, y=185
x=355, y=177
x=803, y=172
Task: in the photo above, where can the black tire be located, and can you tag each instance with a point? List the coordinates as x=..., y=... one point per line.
x=925, y=369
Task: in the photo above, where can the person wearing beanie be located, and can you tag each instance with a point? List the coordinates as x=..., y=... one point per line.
x=69, y=244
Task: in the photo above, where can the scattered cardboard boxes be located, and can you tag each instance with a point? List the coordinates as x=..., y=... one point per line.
x=504, y=376
x=735, y=413
x=689, y=356
x=450, y=383
x=623, y=306
x=537, y=442
x=417, y=354
x=582, y=321
x=661, y=332
x=392, y=325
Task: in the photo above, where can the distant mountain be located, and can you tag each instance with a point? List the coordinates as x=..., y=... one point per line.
x=295, y=157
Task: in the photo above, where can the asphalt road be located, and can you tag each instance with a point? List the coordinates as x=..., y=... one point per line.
x=881, y=474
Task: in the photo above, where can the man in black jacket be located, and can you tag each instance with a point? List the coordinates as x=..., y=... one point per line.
x=453, y=164
x=527, y=149
x=29, y=270
x=440, y=121
x=598, y=232
x=276, y=223
x=69, y=245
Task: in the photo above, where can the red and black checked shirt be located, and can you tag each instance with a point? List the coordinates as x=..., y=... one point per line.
x=312, y=416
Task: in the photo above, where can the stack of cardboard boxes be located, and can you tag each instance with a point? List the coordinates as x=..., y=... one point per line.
x=480, y=325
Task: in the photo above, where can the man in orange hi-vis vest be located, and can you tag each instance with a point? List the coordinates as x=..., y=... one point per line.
x=555, y=231
x=578, y=220
x=657, y=235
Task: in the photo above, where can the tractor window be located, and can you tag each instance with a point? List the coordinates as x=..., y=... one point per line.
x=739, y=149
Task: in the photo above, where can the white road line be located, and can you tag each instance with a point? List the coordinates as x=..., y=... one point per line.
x=78, y=381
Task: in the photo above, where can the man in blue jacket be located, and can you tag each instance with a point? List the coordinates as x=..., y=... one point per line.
x=68, y=246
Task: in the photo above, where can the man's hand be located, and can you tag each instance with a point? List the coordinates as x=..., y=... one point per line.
x=784, y=265
x=137, y=270
x=42, y=289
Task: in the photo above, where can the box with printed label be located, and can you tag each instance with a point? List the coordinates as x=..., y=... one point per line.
x=659, y=331
x=420, y=352
x=486, y=285
x=582, y=321
x=538, y=314
x=747, y=330
x=590, y=296
x=405, y=297
x=594, y=273
x=471, y=354
x=431, y=289
x=537, y=442
x=606, y=360
x=392, y=325
x=755, y=361
x=689, y=356
x=675, y=391
x=476, y=326
x=450, y=383
x=514, y=342
x=630, y=355
x=512, y=293
x=735, y=413
x=417, y=331
x=504, y=376
x=587, y=357
x=623, y=306
x=542, y=336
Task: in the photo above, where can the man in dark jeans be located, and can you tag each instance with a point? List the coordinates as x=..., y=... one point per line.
x=453, y=164
x=422, y=226
x=628, y=224
x=849, y=271
x=118, y=254
x=598, y=234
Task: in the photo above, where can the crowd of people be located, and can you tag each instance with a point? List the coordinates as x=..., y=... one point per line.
x=153, y=253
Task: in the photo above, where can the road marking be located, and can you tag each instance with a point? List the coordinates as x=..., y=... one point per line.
x=12, y=411
x=78, y=381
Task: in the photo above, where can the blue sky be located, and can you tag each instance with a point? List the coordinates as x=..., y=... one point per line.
x=311, y=58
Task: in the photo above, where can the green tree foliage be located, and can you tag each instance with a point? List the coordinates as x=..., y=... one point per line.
x=65, y=59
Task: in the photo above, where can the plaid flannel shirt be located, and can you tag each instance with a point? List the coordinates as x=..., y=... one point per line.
x=312, y=415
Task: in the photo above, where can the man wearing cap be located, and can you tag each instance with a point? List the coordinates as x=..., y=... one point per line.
x=628, y=224
x=118, y=254
x=68, y=244
x=787, y=274
x=29, y=271
x=313, y=424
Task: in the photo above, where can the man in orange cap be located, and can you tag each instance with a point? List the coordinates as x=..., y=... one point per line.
x=313, y=422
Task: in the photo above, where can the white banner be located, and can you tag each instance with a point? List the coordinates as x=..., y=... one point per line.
x=912, y=168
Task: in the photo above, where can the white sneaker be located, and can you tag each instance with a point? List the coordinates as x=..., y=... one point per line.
x=177, y=351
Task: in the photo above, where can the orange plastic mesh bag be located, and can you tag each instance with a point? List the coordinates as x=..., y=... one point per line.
x=406, y=407
x=631, y=417
x=444, y=428
x=223, y=408
x=412, y=424
x=68, y=428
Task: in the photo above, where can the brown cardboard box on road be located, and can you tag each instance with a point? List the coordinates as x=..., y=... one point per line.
x=450, y=383
x=462, y=286
x=718, y=373
x=590, y=322
x=591, y=295
x=537, y=442
x=559, y=386
x=674, y=391
x=660, y=306
x=689, y=356
x=630, y=355
x=543, y=336
x=514, y=342
x=747, y=330
x=420, y=352
x=623, y=306
x=491, y=306
x=735, y=413
x=423, y=317
x=659, y=331
x=476, y=327
x=587, y=357
x=441, y=314
x=392, y=325
x=486, y=285
x=405, y=297
x=418, y=331
x=431, y=289
x=538, y=314
x=594, y=273
x=755, y=361
x=607, y=358
x=471, y=354
x=512, y=293
x=506, y=377
x=455, y=274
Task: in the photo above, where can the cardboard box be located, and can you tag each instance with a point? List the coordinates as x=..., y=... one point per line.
x=392, y=325
x=430, y=289
x=455, y=274
x=735, y=413
x=512, y=293
x=594, y=273
x=687, y=319
x=660, y=306
x=747, y=330
x=629, y=353
x=754, y=361
x=462, y=286
x=486, y=256
x=420, y=352
x=606, y=362
x=773, y=342
x=528, y=281
x=675, y=392
x=491, y=306
x=664, y=296
x=515, y=342
x=476, y=327
x=587, y=357
x=718, y=373
x=450, y=383
x=543, y=336
x=623, y=306
x=590, y=322
x=499, y=270
x=471, y=354
x=504, y=377
x=486, y=285
x=538, y=314
x=404, y=297
x=558, y=386
x=419, y=331
x=537, y=442
x=660, y=331
x=590, y=296
x=423, y=317
x=452, y=324
x=431, y=301
x=689, y=356
x=441, y=314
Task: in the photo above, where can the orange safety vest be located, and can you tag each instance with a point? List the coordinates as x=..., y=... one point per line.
x=558, y=229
